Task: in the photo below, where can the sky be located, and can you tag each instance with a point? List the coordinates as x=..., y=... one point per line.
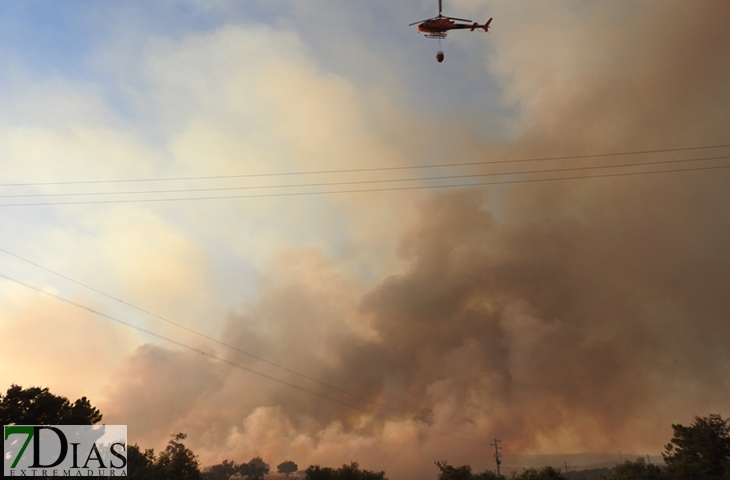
x=309, y=316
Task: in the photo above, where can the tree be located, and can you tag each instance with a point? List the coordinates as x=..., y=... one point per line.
x=177, y=462
x=287, y=467
x=254, y=469
x=353, y=472
x=589, y=474
x=315, y=472
x=346, y=472
x=636, y=470
x=545, y=473
x=449, y=472
x=487, y=475
x=140, y=465
x=222, y=471
x=38, y=406
x=700, y=451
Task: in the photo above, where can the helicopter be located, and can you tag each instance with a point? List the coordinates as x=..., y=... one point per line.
x=437, y=27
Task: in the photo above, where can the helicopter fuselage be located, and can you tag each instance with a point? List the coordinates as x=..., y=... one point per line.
x=437, y=25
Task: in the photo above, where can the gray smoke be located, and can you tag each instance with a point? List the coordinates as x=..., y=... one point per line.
x=582, y=315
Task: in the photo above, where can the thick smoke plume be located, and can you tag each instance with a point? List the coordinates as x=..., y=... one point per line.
x=565, y=316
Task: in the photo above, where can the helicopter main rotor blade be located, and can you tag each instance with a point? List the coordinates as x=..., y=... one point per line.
x=460, y=19
x=420, y=21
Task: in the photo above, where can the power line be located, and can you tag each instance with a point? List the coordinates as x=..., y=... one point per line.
x=474, y=439
x=175, y=342
x=373, y=169
x=364, y=190
x=360, y=182
x=202, y=335
x=216, y=357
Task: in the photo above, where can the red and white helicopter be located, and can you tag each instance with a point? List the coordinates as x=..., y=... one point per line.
x=437, y=27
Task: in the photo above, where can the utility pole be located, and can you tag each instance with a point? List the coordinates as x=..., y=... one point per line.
x=497, y=455
x=566, y=466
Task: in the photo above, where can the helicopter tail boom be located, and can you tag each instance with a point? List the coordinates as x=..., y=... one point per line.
x=485, y=27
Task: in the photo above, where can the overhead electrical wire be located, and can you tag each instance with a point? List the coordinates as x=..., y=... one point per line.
x=202, y=335
x=360, y=182
x=372, y=169
x=175, y=342
x=143, y=196
x=364, y=190
x=218, y=358
x=221, y=359
x=328, y=184
x=226, y=361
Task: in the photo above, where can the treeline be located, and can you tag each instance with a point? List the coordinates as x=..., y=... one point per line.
x=450, y=472
x=700, y=451
x=38, y=406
